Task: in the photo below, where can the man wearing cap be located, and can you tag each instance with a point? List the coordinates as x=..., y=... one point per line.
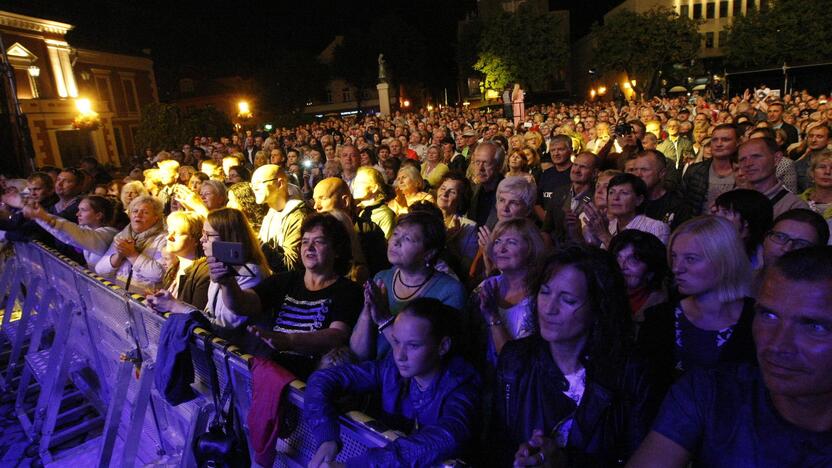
x=469, y=141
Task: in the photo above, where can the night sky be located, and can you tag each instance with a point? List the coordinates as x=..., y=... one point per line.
x=238, y=37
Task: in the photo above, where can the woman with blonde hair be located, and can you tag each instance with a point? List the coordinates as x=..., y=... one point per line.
x=711, y=324
x=187, y=277
x=409, y=190
x=433, y=169
x=130, y=191
x=506, y=301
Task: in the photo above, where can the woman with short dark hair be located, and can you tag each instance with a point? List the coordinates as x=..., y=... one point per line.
x=626, y=195
x=643, y=261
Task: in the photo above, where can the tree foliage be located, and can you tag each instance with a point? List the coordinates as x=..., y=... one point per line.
x=166, y=126
x=790, y=31
x=525, y=47
x=641, y=44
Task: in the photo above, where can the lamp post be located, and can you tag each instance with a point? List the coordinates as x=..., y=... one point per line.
x=34, y=73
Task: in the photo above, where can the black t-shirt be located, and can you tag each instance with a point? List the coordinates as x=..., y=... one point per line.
x=549, y=180
x=295, y=309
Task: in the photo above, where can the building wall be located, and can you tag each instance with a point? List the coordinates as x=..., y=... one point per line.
x=117, y=86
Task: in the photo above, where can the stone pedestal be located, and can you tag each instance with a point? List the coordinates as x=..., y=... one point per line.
x=383, y=98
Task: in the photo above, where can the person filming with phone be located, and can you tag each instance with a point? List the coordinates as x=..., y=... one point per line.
x=568, y=201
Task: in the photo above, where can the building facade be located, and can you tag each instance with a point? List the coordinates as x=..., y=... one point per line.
x=77, y=102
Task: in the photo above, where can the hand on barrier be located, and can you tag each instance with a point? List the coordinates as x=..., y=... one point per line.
x=163, y=301
x=538, y=451
x=325, y=456
x=278, y=341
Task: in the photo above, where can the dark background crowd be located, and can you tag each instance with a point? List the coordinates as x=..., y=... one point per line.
x=595, y=284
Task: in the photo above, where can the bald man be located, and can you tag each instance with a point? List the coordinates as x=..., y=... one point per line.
x=332, y=193
x=280, y=232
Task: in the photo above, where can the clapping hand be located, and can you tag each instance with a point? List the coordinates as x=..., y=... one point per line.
x=126, y=247
x=375, y=302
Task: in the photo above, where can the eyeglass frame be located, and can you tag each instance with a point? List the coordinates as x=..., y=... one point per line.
x=775, y=237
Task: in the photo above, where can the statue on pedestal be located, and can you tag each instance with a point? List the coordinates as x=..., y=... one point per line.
x=382, y=69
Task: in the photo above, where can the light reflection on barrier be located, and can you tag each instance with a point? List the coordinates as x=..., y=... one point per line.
x=117, y=335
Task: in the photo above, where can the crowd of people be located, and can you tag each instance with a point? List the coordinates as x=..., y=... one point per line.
x=588, y=285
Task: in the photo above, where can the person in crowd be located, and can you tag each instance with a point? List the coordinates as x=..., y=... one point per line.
x=776, y=414
x=794, y=229
x=303, y=315
x=369, y=195
x=757, y=159
x=558, y=175
x=485, y=166
x=675, y=147
x=185, y=174
x=350, y=162
x=784, y=167
x=241, y=197
x=92, y=234
x=237, y=174
x=568, y=201
x=187, y=277
x=712, y=323
x=625, y=197
x=280, y=232
x=426, y=391
x=409, y=190
x=816, y=143
x=642, y=258
x=130, y=191
x=133, y=258
x=433, y=169
x=706, y=180
x=505, y=302
x=224, y=225
x=573, y=395
x=413, y=249
x=517, y=164
x=660, y=204
x=819, y=195
x=452, y=197
x=751, y=214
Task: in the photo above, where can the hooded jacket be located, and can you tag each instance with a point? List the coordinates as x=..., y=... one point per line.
x=440, y=421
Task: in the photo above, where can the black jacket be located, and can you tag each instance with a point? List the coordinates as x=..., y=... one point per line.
x=695, y=186
x=657, y=341
x=609, y=424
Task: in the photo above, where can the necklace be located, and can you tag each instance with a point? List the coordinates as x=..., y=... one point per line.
x=398, y=278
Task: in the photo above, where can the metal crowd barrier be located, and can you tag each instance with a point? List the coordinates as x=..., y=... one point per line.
x=81, y=360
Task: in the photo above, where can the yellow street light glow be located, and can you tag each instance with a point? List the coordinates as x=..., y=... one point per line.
x=430, y=107
x=406, y=103
x=84, y=106
x=592, y=92
x=602, y=89
x=627, y=85
x=633, y=83
x=244, y=108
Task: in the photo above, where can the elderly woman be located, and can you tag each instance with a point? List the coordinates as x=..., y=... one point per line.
x=133, y=258
x=225, y=225
x=505, y=301
x=819, y=196
x=93, y=233
x=573, y=395
x=712, y=324
x=433, y=168
x=213, y=195
x=412, y=251
x=130, y=191
x=409, y=190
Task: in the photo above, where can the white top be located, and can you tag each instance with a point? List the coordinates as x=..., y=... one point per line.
x=147, y=270
x=644, y=224
x=217, y=312
x=94, y=242
x=273, y=222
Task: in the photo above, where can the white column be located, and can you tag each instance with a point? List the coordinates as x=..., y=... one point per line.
x=383, y=98
x=57, y=70
x=69, y=77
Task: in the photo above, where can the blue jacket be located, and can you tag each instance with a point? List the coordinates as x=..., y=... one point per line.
x=446, y=413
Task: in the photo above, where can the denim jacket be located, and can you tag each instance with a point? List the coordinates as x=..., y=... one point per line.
x=440, y=421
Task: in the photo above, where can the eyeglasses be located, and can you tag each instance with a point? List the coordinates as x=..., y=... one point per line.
x=780, y=238
x=208, y=236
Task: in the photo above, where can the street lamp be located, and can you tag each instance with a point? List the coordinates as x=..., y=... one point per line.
x=87, y=118
x=244, y=109
x=34, y=73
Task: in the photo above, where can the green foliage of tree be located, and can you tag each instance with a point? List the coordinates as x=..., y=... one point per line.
x=525, y=47
x=641, y=44
x=790, y=31
x=166, y=126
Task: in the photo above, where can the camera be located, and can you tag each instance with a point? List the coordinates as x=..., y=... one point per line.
x=307, y=164
x=623, y=129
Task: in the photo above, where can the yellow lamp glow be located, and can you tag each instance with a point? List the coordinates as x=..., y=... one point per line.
x=633, y=82
x=602, y=90
x=244, y=108
x=592, y=93
x=430, y=107
x=406, y=103
x=84, y=106
x=627, y=85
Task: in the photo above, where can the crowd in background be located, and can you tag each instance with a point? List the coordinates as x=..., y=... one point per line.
x=584, y=285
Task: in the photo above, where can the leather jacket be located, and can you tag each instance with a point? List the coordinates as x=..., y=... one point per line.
x=440, y=421
x=608, y=424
